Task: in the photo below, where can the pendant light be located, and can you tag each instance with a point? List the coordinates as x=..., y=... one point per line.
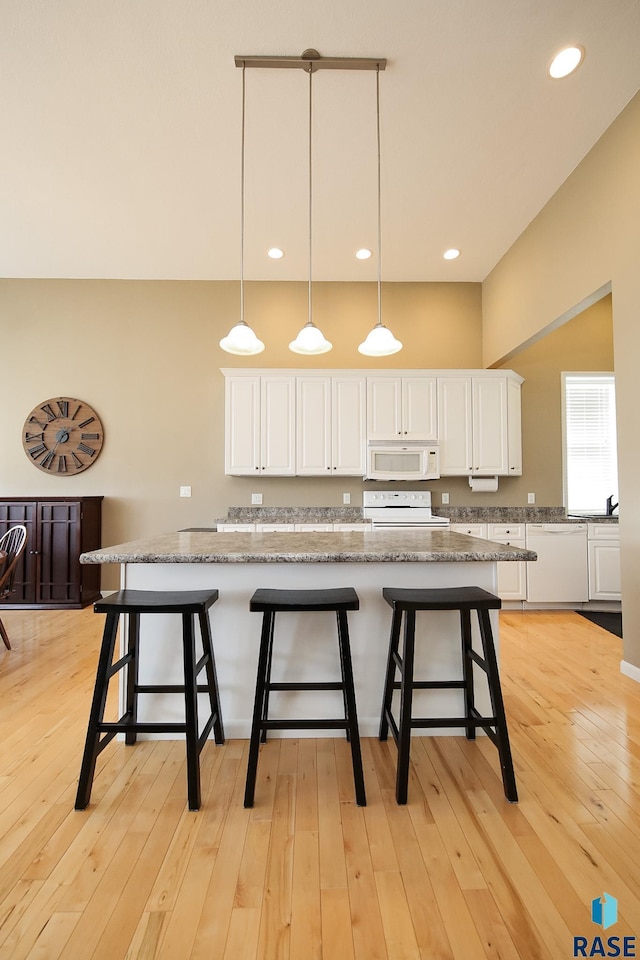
x=241, y=339
x=380, y=342
x=310, y=340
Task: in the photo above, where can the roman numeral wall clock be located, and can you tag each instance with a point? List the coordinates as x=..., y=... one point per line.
x=62, y=436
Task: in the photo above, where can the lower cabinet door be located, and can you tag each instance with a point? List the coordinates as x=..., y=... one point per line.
x=512, y=575
x=604, y=570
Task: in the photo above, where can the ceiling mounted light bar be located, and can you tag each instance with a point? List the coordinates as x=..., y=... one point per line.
x=310, y=60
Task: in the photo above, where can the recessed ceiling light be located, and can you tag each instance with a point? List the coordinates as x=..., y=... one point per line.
x=275, y=253
x=363, y=254
x=565, y=62
x=451, y=254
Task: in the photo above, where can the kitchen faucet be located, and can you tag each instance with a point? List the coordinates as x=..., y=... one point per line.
x=611, y=506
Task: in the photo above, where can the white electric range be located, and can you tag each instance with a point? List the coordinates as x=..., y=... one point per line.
x=401, y=510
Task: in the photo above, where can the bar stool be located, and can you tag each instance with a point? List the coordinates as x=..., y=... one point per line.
x=188, y=604
x=405, y=603
x=269, y=602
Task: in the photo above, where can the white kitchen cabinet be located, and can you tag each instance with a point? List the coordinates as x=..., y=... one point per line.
x=455, y=426
x=352, y=527
x=401, y=408
x=514, y=427
x=330, y=430
x=313, y=527
x=604, y=561
x=242, y=425
x=260, y=426
x=275, y=527
x=479, y=426
x=511, y=574
x=236, y=528
x=490, y=426
x=471, y=529
x=348, y=426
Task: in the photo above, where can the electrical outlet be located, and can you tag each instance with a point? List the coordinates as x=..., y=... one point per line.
x=445, y=498
x=185, y=491
x=256, y=499
x=531, y=498
x=346, y=498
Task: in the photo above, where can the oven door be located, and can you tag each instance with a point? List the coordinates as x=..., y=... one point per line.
x=403, y=462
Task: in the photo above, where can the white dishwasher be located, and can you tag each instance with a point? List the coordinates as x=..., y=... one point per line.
x=560, y=574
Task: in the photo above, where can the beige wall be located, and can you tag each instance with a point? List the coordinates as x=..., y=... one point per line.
x=586, y=237
x=583, y=343
x=145, y=355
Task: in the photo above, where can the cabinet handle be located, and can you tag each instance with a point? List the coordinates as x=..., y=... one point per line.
x=34, y=553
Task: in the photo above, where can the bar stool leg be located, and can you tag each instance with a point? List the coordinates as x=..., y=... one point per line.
x=131, y=681
x=191, y=712
x=406, y=698
x=497, y=706
x=394, y=641
x=96, y=714
x=350, y=707
x=265, y=702
x=259, y=706
x=467, y=671
x=212, y=677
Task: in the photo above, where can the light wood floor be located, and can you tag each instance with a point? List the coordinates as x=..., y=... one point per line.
x=457, y=873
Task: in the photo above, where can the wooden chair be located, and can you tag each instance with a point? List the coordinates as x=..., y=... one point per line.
x=12, y=544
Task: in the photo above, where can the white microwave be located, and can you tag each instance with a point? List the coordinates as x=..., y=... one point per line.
x=403, y=461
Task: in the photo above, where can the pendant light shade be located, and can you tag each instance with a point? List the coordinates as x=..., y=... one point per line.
x=241, y=340
x=310, y=340
x=380, y=342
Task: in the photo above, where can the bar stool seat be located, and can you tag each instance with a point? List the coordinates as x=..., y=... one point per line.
x=272, y=601
x=405, y=603
x=189, y=604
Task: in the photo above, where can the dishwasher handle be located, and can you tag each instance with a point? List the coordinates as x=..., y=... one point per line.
x=558, y=530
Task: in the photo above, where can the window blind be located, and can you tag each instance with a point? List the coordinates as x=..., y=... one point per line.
x=591, y=459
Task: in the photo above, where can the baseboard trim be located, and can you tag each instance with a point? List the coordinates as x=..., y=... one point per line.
x=630, y=670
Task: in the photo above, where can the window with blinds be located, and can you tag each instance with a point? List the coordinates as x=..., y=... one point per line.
x=590, y=450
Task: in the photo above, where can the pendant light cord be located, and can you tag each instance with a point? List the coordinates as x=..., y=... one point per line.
x=379, y=218
x=242, y=153
x=309, y=321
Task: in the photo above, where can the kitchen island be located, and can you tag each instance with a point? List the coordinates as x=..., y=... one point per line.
x=237, y=564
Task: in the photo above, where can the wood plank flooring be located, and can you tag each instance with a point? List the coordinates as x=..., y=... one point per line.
x=306, y=874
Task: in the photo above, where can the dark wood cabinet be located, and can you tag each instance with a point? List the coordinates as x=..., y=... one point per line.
x=59, y=529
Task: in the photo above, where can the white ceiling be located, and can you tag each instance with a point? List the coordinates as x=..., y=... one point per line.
x=121, y=127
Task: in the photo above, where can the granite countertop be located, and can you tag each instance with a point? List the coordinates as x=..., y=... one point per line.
x=355, y=515
x=368, y=546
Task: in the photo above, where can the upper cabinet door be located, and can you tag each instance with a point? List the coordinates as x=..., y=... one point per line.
x=455, y=426
x=277, y=426
x=419, y=408
x=242, y=425
x=490, y=426
x=313, y=426
x=384, y=409
x=348, y=395
x=514, y=426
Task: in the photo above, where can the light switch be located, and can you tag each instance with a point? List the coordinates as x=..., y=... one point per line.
x=256, y=498
x=185, y=491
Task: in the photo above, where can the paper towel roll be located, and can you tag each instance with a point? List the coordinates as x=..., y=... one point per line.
x=483, y=484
